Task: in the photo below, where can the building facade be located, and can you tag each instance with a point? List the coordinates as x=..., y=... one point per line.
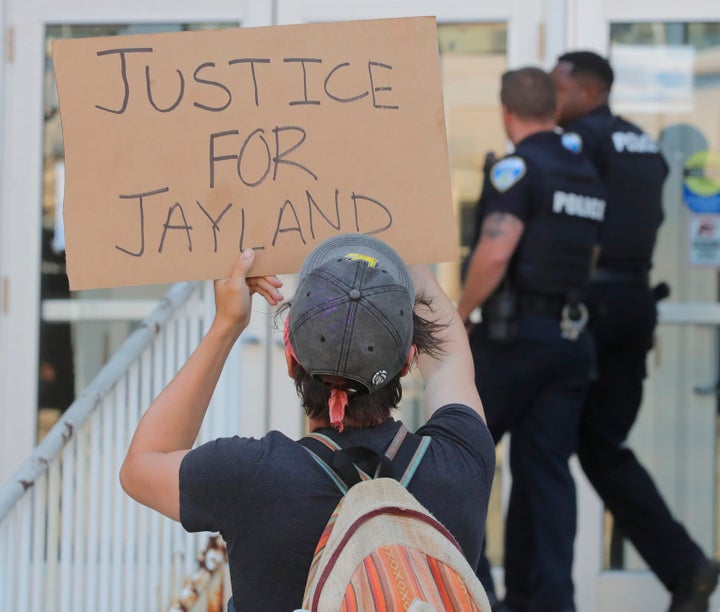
x=667, y=58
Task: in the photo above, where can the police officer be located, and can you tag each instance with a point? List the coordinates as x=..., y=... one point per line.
x=622, y=322
x=541, y=210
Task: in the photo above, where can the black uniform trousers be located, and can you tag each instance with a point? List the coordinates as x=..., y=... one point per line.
x=622, y=322
x=534, y=388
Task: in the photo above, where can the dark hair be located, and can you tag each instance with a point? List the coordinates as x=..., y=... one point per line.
x=366, y=408
x=589, y=64
x=529, y=93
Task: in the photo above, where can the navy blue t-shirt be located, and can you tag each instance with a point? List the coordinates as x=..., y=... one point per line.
x=270, y=500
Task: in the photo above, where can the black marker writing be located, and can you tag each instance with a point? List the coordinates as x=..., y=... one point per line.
x=385, y=209
x=280, y=157
x=252, y=61
x=303, y=60
x=139, y=197
x=268, y=159
x=215, y=222
x=259, y=161
x=184, y=226
x=293, y=228
x=174, y=105
x=196, y=76
x=376, y=89
x=242, y=234
x=338, y=98
x=123, y=75
x=312, y=205
x=348, y=211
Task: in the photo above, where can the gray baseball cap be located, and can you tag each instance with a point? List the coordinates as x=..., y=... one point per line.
x=352, y=314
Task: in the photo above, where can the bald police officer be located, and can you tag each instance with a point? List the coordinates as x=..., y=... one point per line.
x=622, y=321
x=538, y=224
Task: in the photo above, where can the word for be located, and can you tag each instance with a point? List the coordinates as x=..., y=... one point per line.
x=367, y=216
x=219, y=83
x=254, y=159
x=577, y=205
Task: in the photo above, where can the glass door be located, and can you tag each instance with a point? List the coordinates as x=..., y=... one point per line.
x=58, y=341
x=52, y=343
x=477, y=41
x=96, y=320
x=667, y=69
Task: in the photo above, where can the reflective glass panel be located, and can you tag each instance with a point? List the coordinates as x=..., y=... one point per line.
x=63, y=368
x=473, y=57
x=668, y=81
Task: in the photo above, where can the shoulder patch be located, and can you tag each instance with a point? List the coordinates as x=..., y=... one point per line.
x=572, y=141
x=507, y=172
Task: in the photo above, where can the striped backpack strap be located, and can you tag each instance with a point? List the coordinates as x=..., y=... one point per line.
x=406, y=451
x=403, y=454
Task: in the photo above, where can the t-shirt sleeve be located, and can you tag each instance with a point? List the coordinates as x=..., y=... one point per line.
x=461, y=425
x=212, y=477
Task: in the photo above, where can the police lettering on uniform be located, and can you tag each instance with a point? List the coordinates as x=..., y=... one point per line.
x=578, y=205
x=622, y=322
x=538, y=224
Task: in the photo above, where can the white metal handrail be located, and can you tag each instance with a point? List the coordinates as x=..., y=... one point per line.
x=70, y=538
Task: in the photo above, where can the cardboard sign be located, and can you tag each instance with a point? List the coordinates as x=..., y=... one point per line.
x=182, y=149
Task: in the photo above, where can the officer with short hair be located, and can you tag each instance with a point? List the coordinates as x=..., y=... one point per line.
x=622, y=321
x=541, y=212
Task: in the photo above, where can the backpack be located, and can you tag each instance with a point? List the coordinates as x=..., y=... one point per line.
x=381, y=549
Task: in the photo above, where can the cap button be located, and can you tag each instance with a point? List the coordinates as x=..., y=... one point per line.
x=354, y=294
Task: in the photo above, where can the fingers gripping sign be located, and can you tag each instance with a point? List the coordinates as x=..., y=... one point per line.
x=232, y=295
x=233, y=301
x=268, y=287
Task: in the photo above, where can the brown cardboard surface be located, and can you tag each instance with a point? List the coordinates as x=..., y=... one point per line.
x=181, y=149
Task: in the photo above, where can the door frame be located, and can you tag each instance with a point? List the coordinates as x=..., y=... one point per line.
x=21, y=168
x=21, y=164
x=588, y=27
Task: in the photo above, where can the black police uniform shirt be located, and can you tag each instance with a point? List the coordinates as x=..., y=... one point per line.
x=633, y=170
x=270, y=500
x=555, y=191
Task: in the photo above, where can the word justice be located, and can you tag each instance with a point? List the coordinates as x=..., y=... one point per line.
x=357, y=213
x=317, y=82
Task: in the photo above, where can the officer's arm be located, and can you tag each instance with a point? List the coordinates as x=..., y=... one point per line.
x=499, y=237
x=450, y=377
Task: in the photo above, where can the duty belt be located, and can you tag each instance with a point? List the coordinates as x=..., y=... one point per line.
x=573, y=317
x=604, y=275
x=535, y=303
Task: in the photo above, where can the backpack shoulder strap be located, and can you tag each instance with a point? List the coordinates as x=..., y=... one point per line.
x=418, y=447
x=406, y=451
x=322, y=448
x=323, y=439
x=400, y=461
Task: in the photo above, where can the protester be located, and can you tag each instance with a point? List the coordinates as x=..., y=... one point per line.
x=353, y=330
x=537, y=226
x=622, y=321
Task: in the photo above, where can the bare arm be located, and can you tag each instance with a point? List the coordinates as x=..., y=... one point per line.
x=451, y=377
x=167, y=431
x=499, y=238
